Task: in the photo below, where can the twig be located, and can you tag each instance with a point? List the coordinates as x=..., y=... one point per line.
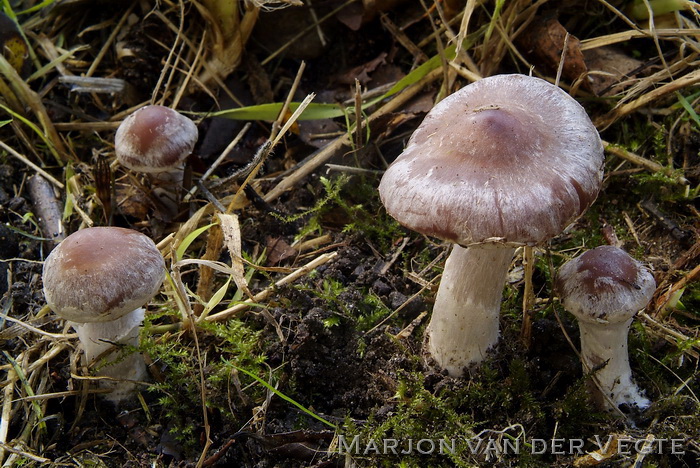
x=53, y=336
x=26, y=161
x=264, y=294
x=682, y=283
x=218, y=161
x=670, y=333
x=643, y=162
x=33, y=101
x=646, y=99
x=108, y=43
x=24, y=454
x=48, y=210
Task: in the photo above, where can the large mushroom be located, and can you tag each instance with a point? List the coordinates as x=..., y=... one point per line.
x=507, y=161
x=604, y=288
x=98, y=279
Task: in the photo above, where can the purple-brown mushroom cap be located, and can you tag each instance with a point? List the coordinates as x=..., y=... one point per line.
x=604, y=284
x=509, y=158
x=102, y=273
x=154, y=139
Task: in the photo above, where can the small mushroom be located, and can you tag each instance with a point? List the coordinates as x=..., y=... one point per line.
x=604, y=288
x=98, y=279
x=506, y=161
x=157, y=140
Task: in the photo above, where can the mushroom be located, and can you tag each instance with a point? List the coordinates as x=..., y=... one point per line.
x=507, y=161
x=98, y=279
x=157, y=140
x=604, y=288
x=154, y=139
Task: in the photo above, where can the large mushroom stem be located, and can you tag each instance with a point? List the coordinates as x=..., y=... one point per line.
x=464, y=324
x=604, y=355
x=100, y=337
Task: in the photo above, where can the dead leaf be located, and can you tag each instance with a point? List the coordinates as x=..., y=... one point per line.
x=599, y=456
x=278, y=250
x=543, y=42
x=232, y=238
x=361, y=73
x=131, y=202
x=608, y=69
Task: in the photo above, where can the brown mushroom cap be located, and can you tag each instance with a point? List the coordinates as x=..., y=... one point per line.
x=154, y=139
x=509, y=157
x=604, y=283
x=102, y=273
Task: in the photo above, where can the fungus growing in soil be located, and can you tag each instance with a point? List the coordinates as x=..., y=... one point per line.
x=506, y=161
x=155, y=139
x=98, y=279
x=604, y=289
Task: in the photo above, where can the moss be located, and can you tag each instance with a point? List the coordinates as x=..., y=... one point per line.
x=178, y=392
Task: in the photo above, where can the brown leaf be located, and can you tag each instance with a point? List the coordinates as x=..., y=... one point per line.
x=361, y=73
x=232, y=238
x=543, y=43
x=609, y=68
x=278, y=250
x=132, y=202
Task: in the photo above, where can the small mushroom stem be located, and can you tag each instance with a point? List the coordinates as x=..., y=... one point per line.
x=604, y=354
x=464, y=324
x=99, y=337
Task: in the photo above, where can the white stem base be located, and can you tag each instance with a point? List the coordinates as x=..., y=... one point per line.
x=604, y=352
x=464, y=324
x=98, y=337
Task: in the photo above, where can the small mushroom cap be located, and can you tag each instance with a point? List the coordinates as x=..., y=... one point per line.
x=509, y=157
x=102, y=273
x=604, y=284
x=154, y=139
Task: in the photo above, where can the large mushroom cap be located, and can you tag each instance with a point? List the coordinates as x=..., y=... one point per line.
x=510, y=157
x=604, y=284
x=102, y=273
x=154, y=139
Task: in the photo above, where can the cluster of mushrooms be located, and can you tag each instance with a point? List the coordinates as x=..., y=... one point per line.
x=510, y=161
x=507, y=161
x=99, y=278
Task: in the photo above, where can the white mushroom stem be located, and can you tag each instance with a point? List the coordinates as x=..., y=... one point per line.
x=604, y=354
x=464, y=324
x=98, y=337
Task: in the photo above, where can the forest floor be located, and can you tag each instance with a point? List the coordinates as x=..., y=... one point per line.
x=324, y=360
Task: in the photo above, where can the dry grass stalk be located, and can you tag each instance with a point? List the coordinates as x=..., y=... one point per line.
x=340, y=143
x=264, y=294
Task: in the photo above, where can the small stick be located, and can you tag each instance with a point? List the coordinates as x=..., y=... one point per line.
x=682, y=283
x=26, y=161
x=6, y=411
x=643, y=162
x=48, y=209
x=218, y=161
x=264, y=294
x=680, y=83
x=630, y=225
x=39, y=331
x=668, y=223
x=339, y=143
